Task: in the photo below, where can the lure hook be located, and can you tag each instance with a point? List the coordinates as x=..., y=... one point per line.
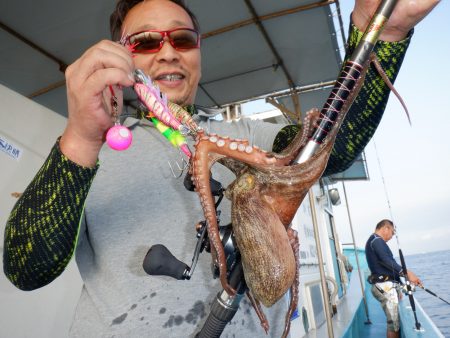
x=181, y=169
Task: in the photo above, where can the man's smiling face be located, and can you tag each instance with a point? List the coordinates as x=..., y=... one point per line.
x=177, y=72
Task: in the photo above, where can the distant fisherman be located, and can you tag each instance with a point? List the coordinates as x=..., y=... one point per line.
x=385, y=274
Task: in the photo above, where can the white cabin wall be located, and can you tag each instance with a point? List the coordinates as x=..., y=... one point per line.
x=32, y=130
x=309, y=269
x=325, y=211
x=320, y=202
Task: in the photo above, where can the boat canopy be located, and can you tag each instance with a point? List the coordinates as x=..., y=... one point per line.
x=287, y=52
x=250, y=49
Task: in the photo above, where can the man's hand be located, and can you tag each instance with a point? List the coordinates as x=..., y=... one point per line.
x=406, y=15
x=88, y=96
x=414, y=279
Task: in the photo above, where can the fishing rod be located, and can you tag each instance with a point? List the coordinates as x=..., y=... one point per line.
x=433, y=294
x=409, y=288
x=348, y=82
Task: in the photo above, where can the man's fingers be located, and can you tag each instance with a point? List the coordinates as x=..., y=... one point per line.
x=105, y=54
x=108, y=77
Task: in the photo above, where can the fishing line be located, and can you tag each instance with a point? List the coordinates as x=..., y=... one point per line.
x=386, y=192
x=433, y=294
x=409, y=288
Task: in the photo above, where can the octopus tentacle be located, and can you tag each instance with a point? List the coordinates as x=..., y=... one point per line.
x=294, y=241
x=259, y=312
x=309, y=122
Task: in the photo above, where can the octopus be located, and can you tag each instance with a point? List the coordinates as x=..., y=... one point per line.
x=268, y=189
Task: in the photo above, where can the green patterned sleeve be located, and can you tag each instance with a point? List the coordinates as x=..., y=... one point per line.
x=42, y=229
x=367, y=110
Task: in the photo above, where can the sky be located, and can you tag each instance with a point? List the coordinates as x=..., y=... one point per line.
x=409, y=166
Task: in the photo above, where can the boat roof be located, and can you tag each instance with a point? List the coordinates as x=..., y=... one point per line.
x=250, y=49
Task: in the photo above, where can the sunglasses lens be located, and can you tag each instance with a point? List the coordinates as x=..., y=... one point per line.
x=184, y=38
x=146, y=41
x=151, y=41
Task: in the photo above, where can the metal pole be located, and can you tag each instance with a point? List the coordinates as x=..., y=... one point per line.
x=338, y=252
x=356, y=256
x=321, y=269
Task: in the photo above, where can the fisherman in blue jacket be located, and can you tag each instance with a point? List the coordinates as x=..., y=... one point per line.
x=385, y=274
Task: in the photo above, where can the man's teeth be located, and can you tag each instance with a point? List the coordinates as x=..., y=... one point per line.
x=170, y=77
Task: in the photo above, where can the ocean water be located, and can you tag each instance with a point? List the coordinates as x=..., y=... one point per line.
x=434, y=270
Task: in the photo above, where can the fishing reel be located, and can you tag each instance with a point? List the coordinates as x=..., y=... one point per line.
x=228, y=243
x=408, y=288
x=160, y=261
x=225, y=232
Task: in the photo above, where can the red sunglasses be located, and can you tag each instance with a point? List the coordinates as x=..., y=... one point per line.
x=151, y=41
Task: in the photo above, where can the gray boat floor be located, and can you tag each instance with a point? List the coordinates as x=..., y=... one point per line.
x=346, y=309
x=377, y=328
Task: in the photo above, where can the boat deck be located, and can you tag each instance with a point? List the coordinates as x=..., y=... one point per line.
x=350, y=306
x=377, y=328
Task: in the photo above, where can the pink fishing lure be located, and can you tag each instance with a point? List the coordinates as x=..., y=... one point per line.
x=155, y=101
